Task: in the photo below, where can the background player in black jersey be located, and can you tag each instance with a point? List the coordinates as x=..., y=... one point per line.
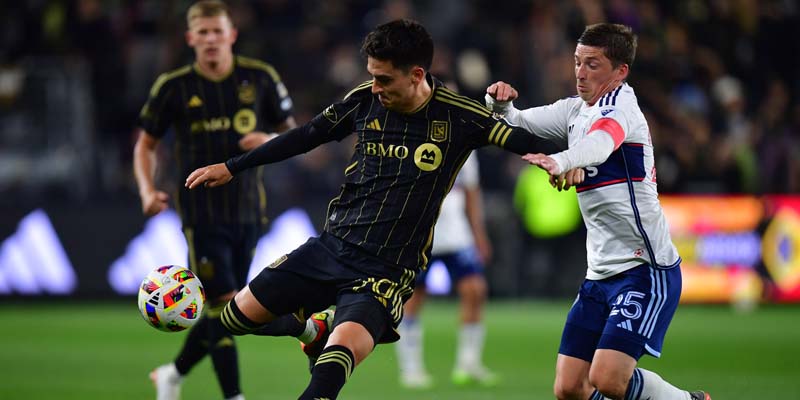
x=219, y=107
x=413, y=137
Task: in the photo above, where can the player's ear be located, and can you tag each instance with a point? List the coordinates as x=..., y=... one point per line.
x=234, y=34
x=189, y=37
x=417, y=74
x=623, y=71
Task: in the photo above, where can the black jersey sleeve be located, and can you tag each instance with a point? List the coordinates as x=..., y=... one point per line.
x=279, y=105
x=156, y=114
x=335, y=123
x=515, y=139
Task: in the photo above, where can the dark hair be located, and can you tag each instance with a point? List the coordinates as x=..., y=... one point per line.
x=617, y=40
x=404, y=42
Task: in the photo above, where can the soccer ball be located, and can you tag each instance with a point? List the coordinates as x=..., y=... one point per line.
x=171, y=298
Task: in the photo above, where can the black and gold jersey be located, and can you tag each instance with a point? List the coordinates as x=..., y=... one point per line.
x=402, y=167
x=209, y=117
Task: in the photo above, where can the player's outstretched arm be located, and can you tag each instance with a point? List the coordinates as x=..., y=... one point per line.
x=210, y=176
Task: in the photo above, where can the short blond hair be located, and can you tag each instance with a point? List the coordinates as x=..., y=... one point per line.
x=207, y=8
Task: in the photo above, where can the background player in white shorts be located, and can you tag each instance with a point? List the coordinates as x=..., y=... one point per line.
x=461, y=243
x=633, y=281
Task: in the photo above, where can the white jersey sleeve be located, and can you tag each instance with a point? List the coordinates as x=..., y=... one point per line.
x=548, y=122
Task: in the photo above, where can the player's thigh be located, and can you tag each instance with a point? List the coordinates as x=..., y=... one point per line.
x=292, y=284
x=585, y=323
x=642, y=301
x=364, y=309
x=211, y=250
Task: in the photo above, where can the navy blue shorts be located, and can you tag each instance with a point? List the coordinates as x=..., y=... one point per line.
x=629, y=312
x=220, y=255
x=459, y=265
x=327, y=271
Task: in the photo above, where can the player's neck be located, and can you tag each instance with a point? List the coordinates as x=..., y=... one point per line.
x=609, y=88
x=424, y=93
x=215, y=70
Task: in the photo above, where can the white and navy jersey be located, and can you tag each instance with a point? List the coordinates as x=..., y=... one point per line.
x=625, y=224
x=453, y=232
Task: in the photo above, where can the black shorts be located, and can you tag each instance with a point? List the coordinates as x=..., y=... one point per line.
x=220, y=255
x=327, y=271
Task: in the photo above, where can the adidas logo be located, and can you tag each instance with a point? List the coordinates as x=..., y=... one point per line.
x=374, y=125
x=195, y=102
x=605, y=112
x=625, y=325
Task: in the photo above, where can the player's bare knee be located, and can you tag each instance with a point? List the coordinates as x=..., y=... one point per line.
x=608, y=385
x=567, y=389
x=355, y=337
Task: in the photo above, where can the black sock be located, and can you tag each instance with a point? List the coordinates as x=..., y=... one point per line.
x=224, y=357
x=194, y=348
x=287, y=325
x=234, y=320
x=330, y=373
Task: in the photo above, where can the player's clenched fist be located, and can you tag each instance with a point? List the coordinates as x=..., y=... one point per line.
x=502, y=91
x=210, y=176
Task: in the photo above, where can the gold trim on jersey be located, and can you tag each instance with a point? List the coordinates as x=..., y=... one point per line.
x=447, y=96
x=428, y=100
x=248, y=62
x=167, y=76
x=226, y=75
x=499, y=136
x=361, y=86
x=350, y=168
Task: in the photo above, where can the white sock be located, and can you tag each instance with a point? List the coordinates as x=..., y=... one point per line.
x=309, y=333
x=237, y=397
x=470, y=345
x=654, y=387
x=409, y=347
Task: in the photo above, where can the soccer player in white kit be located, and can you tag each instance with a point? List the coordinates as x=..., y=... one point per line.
x=461, y=243
x=633, y=282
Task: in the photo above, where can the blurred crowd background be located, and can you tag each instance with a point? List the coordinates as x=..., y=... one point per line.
x=717, y=80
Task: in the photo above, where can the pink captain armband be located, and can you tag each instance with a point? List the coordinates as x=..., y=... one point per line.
x=612, y=127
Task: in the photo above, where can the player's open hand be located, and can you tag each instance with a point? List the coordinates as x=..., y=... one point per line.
x=502, y=91
x=209, y=176
x=568, y=179
x=544, y=162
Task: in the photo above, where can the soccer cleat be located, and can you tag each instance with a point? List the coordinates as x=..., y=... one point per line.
x=700, y=395
x=167, y=382
x=474, y=375
x=416, y=380
x=324, y=322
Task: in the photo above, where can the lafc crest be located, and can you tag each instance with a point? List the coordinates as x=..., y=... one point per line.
x=247, y=93
x=439, y=131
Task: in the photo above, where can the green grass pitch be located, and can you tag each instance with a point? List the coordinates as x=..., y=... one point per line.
x=93, y=351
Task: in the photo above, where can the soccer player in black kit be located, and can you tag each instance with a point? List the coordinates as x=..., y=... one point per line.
x=413, y=136
x=218, y=107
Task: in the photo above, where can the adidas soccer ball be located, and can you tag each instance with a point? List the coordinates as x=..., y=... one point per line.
x=171, y=298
